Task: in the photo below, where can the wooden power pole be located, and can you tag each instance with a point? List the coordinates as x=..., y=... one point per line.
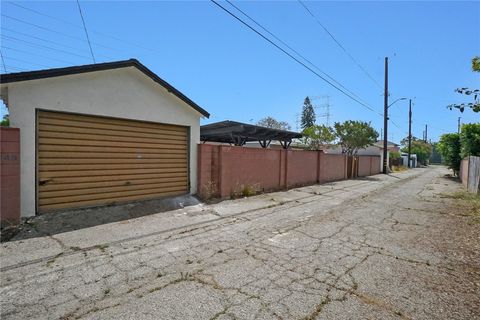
x=385, y=120
x=409, y=133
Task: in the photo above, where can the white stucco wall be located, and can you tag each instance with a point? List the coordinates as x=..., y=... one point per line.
x=123, y=93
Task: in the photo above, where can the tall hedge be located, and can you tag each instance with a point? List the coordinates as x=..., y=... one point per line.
x=449, y=148
x=470, y=140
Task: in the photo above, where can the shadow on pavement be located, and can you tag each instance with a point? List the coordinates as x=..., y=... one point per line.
x=59, y=222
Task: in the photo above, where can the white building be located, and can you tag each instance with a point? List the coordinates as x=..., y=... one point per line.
x=101, y=134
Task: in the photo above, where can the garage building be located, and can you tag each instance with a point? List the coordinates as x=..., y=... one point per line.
x=101, y=134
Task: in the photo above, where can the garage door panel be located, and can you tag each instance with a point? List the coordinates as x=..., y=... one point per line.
x=54, y=185
x=112, y=127
x=132, y=160
x=172, y=154
x=140, y=188
x=86, y=142
x=63, y=206
x=107, y=196
x=125, y=177
x=75, y=167
x=92, y=173
x=107, y=138
x=123, y=160
x=159, y=134
x=89, y=121
x=99, y=149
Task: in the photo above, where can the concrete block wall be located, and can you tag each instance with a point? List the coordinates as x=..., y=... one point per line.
x=224, y=170
x=302, y=167
x=9, y=175
x=333, y=167
x=368, y=165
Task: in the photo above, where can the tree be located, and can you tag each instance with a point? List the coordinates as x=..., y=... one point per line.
x=317, y=136
x=269, y=122
x=354, y=135
x=5, y=121
x=470, y=140
x=449, y=148
x=475, y=105
x=476, y=64
x=421, y=148
x=308, y=114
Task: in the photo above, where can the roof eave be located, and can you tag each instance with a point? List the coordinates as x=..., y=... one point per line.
x=58, y=72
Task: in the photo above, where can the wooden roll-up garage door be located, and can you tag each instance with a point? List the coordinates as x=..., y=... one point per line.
x=88, y=160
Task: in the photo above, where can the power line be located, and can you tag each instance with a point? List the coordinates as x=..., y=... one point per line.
x=294, y=58
x=396, y=125
x=85, y=28
x=54, y=31
x=339, y=44
x=77, y=26
x=292, y=49
x=38, y=55
x=42, y=46
x=53, y=42
x=3, y=62
x=39, y=38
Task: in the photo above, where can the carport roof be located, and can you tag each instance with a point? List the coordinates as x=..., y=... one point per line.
x=57, y=72
x=238, y=133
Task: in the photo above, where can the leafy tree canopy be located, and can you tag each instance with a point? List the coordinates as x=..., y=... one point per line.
x=5, y=122
x=475, y=105
x=272, y=123
x=354, y=135
x=470, y=140
x=308, y=114
x=317, y=136
x=449, y=148
x=476, y=64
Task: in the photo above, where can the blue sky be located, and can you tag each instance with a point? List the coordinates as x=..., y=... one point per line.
x=234, y=74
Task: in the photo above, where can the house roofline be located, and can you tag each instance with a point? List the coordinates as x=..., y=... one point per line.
x=58, y=72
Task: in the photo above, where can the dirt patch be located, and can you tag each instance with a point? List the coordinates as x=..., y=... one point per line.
x=465, y=204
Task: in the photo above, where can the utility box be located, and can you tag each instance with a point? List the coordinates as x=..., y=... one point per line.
x=9, y=176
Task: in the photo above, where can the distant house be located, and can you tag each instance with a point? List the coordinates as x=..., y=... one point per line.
x=101, y=134
x=391, y=146
x=374, y=150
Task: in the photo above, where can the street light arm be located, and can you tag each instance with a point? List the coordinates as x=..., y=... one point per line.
x=391, y=104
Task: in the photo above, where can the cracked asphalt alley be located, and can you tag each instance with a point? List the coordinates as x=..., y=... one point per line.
x=385, y=247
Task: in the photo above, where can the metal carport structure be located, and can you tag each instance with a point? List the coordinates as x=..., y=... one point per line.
x=238, y=133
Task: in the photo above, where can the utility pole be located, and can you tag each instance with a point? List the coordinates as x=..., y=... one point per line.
x=409, y=132
x=459, y=124
x=426, y=133
x=385, y=120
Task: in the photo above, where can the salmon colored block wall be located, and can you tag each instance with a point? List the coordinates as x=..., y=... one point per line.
x=258, y=168
x=332, y=167
x=9, y=175
x=364, y=166
x=302, y=167
x=224, y=170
